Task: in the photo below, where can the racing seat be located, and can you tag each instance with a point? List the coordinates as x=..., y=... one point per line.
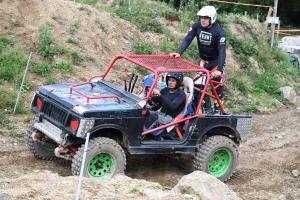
x=188, y=88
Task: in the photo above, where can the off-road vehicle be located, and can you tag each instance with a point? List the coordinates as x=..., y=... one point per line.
x=113, y=117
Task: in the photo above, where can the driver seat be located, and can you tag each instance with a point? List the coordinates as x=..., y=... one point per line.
x=188, y=88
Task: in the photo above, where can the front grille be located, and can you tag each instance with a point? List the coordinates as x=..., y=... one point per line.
x=126, y=113
x=54, y=112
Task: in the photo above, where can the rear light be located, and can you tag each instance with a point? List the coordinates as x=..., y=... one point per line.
x=39, y=103
x=74, y=124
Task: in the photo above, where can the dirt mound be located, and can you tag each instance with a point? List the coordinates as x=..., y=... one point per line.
x=268, y=161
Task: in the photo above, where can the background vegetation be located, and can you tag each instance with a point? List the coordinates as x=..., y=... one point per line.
x=287, y=12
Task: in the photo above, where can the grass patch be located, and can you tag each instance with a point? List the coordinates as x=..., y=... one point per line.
x=64, y=66
x=8, y=100
x=50, y=80
x=134, y=190
x=12, y=61
x=87, y=1
x=5, y=121
x=46, y=40
x=72, y=40
x=76, y=57
x=141, y=47
x=100, y=24
x=85, y=8
x=142, y=13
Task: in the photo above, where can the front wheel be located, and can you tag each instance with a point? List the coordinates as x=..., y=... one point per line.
x=104, y=159
x=43, y=149
x=217, y=156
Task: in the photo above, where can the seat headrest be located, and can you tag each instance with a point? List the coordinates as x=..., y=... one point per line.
x=188, y=84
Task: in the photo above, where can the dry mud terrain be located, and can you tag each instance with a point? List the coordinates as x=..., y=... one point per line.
x=269, y=162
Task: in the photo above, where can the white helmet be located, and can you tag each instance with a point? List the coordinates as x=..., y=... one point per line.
x=208, y=11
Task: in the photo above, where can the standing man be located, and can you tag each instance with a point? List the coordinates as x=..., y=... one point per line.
x=170, y=99
x=211, y=40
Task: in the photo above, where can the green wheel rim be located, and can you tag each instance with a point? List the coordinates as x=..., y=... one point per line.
x=100, y=166
x=49, y=147
x=219, y=163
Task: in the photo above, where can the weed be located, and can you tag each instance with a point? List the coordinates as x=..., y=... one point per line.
x=46, y=40
x=141, y=70
x=59, y=19
x=43, y=68
x=117, y=36
x=72, y=40
x=134, y=190
x=252, y=145
x=76, y=24
x=142, y=48
x=167, y=46
x=101, y=25
x=85, y=8
x=77, y=58
x=64, y=66
x=237, y=19
x=8, y=100
x=87, y=1
x=26, y=86
x=73, y=30
x=12, y=64
x=16, y=134
x=4, y=42
x=91, y=58
x=239, y=84
x=28, y=119
x=145, y=19
x=60, y=49
x=17, y=23
x=50, y=80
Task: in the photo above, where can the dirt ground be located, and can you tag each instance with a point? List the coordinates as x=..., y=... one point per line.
x=269, y=162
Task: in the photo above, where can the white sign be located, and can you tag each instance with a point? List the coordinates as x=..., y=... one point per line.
x=273, y=20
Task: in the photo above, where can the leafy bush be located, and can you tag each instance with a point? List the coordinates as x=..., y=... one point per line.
x=64, y=66
x=77, y=58
x=147, y=19
x=142, y=48
x=46, y=40
x=12, y=64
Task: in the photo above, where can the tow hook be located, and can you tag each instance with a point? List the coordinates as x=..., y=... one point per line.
x=59, y=150
x=35, y=136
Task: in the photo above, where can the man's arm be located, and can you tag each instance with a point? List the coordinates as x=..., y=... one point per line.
x=186, y=41
x=172, y=105
x=222, y=51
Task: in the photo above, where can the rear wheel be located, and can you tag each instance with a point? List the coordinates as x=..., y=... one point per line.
x=104, y=159
x=44, y=148
x=217, y=156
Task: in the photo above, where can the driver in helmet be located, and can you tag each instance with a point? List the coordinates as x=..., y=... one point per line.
x=170, y=99
x=211, y=40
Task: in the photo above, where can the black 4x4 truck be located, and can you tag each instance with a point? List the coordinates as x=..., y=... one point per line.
x=96, y=122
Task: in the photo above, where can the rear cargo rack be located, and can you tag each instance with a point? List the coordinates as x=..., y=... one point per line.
x=91, y=97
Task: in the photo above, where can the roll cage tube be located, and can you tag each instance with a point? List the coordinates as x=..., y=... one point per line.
x=166, y=63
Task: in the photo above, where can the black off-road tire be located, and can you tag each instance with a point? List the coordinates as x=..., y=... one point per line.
x=39, y=150
x=217, y=156
x=104, y=159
